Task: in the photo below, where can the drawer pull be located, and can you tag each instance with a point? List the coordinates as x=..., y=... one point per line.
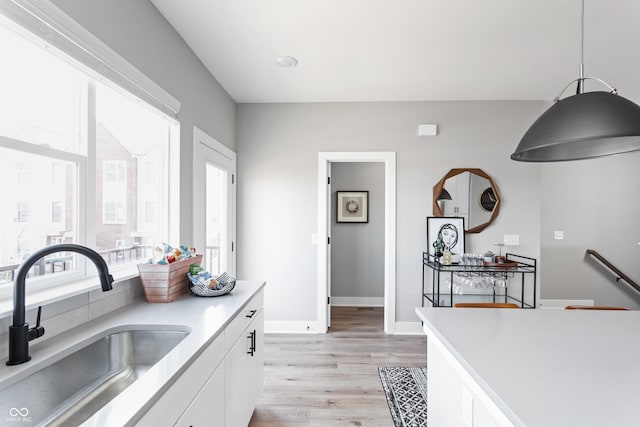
x=252, y=340
x=251, y=314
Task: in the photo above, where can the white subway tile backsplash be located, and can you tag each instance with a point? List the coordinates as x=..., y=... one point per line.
x=64, y=322
x=98, y=294
x=61, y=307
x=113, y=302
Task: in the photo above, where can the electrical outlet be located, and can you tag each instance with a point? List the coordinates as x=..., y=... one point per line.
x=512, y=240
x=558, y=235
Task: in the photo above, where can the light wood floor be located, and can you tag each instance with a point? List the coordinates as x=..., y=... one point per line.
x=332, y=379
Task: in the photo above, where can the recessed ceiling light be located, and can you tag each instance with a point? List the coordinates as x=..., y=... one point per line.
x=287, y=61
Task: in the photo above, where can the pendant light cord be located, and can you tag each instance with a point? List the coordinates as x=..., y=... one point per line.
x=580, y=80
x=580, y=88
x=582, y=35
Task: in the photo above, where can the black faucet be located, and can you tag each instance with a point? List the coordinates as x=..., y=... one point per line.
x=19, y=332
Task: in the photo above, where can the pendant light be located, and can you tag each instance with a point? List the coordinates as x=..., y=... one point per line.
x=582, y=126
x=444, y=195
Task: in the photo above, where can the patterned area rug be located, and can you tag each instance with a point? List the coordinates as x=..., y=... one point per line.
x=406, y=390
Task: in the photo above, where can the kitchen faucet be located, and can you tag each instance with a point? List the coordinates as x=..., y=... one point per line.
x=19, y=332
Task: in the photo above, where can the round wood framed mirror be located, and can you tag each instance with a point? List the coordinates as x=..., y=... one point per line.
x=468, y=193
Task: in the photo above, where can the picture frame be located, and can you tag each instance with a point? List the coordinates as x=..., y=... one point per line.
x=446, y=227
x=352, y=206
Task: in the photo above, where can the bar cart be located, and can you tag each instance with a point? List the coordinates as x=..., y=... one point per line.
x=514, y=281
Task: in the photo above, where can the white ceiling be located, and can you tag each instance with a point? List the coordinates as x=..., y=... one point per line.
x=405, y=50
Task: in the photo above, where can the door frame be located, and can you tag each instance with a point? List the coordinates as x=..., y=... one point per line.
x=200, y=137
x=324, y=217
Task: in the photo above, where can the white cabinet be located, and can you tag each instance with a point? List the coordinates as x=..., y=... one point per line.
x=170, y=407
x=458, y=188
x=222, y=386
x=208, y=408
x=245, y=373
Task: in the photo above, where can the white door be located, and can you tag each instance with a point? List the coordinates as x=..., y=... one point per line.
x=214, y=199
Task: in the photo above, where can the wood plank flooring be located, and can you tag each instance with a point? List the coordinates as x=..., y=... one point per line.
x=332, y=379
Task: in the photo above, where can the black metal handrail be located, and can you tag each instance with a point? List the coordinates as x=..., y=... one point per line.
x=619, y=274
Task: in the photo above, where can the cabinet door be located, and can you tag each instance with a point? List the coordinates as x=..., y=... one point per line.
x=458, y=188
x=245, y=373
x=171, y=406
x=208, y=408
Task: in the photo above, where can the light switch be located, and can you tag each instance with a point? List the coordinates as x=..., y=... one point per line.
x=512, y=240
x=558, y=235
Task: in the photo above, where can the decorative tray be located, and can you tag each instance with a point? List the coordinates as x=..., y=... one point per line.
x=225, y=285
x=507, y=263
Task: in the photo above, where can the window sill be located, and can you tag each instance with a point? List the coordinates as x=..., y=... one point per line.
x=45, y=296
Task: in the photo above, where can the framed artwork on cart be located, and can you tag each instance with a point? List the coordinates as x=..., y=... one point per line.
x=447, y=230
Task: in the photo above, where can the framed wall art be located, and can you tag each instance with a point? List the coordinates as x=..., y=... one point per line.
x=352, y=206
x=449, y=231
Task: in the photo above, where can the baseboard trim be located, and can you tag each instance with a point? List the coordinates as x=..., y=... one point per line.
x=357, y=301
x=290, y=327
x=409, y=328
x=562, y=303
x=303, y=327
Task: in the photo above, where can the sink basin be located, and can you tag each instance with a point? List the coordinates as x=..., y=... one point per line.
x=70, y=390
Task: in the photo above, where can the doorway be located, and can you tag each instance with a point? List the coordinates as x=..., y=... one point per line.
x=357, y=240
x=325, y=160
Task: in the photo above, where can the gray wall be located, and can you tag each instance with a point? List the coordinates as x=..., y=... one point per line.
x=141, y=35
x=357, y=249
x=597, y=205
x=278, y=145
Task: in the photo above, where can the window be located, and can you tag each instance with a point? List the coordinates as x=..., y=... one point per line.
x=150, y=212
x=114, y=192
x=82, y=160
x=24, y=212
x=56, y=211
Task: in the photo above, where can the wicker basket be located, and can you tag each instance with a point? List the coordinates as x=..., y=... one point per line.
x=200, y=289
x=166, y=282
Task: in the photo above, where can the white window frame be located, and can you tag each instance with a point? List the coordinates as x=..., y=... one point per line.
x=80, y=227
x=54, y=28
x=51, y=28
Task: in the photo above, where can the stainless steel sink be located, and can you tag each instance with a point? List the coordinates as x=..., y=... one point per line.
x=70, y=390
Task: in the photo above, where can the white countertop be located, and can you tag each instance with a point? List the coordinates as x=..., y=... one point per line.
x=546, y=368
x=205, y=318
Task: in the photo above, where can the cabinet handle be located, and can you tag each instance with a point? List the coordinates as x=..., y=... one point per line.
x=252, y=345
x=251, y=314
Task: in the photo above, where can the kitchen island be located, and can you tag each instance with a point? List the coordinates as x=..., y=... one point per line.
x=536, y=368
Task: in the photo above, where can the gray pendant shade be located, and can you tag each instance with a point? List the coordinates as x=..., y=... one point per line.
x=582, y=126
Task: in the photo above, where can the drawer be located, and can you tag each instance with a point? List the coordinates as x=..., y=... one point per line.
x=170, y=405
x=245, y=316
